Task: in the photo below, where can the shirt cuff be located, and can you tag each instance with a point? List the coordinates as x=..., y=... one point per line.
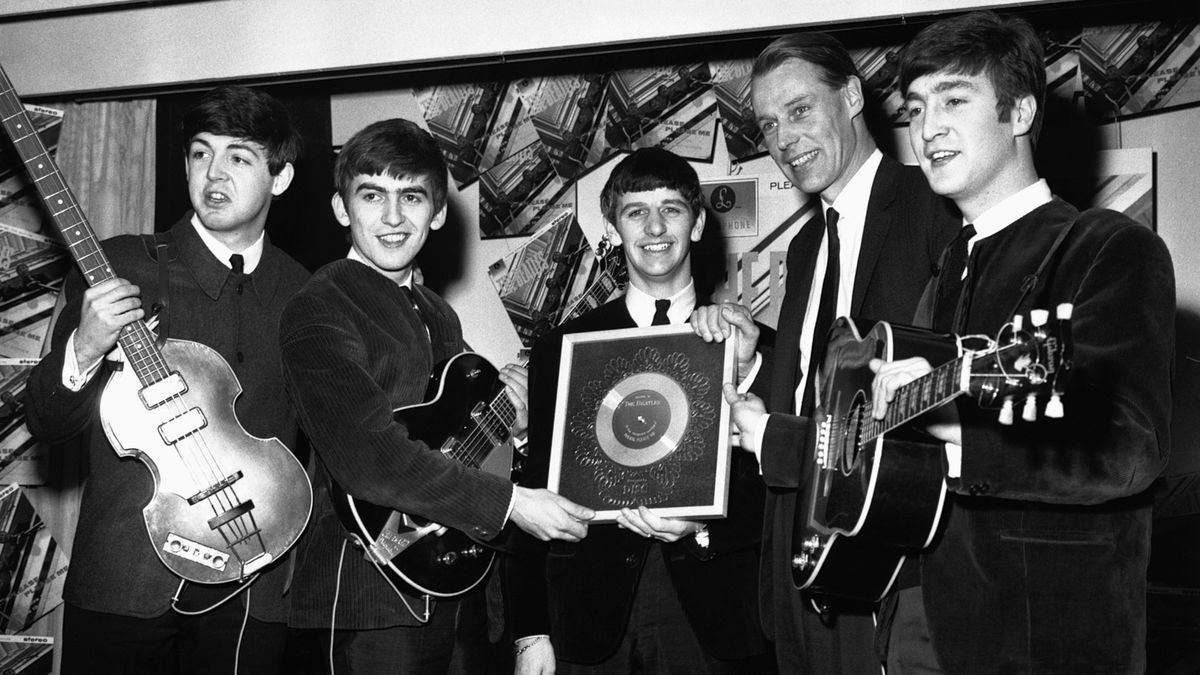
x=512, y=501
x=744, y=385
x=72, y=378
x=759, y=432
x=953, y=460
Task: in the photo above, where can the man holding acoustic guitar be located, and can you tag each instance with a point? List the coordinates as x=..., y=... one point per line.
x=1041, y=564
x=223, y=505
x=359, y=342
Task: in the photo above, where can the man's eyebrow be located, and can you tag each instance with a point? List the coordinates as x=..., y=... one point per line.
x=944, y=86
x=252, y=148
x=799, y=99
x=376, y=187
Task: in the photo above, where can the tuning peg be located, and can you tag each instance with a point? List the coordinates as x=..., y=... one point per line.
x=1029, y=412
x=1054, y=407
x=1039, y=317
x=1018, y=323
x=1006, y=412
x=1064, y=310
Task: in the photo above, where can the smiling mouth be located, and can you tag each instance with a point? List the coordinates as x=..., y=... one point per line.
x=941, y=156
x=394, y=239
x=803, y=159
x=659, y=247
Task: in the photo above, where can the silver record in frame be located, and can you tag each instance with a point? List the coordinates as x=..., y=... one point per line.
x=640, y=420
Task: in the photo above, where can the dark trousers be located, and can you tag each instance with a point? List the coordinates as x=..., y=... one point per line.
x=659, y=640
x=171, y=644
x=415, y=650
x=910, y=649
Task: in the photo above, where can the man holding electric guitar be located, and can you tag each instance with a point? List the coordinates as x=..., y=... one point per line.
x=1041, y=561
x=360, y=341
x=223, y=504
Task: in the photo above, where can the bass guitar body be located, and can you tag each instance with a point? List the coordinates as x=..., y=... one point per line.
x=225, y=503
x=466, y=417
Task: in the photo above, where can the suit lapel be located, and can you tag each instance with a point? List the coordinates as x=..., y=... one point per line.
x=875, y=229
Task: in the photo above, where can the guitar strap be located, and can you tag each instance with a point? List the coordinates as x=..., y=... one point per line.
x=1030, y=282
x=924, y=314
x=159, y=248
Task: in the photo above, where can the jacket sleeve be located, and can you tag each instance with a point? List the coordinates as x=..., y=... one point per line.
x=327, y=366
x=53, y=412
x=1114, y=438
x=523, y=571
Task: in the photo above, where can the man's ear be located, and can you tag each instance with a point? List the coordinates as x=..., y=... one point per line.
x=698, y=227
x=852, y=92
x=1023, y=115
x=439, y=219
x=612, y=233
x=283, y=179
x=339, y=209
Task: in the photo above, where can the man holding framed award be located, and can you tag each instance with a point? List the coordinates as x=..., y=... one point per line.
x=665, y=593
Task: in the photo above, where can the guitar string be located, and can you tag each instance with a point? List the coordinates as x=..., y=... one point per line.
x=11, y=109
x=477, y=443
x=137, y=334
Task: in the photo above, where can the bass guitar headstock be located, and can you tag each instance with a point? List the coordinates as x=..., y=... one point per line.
x=1025, y=364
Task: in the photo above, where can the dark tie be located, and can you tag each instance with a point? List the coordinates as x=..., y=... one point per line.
x=660, y=313
x=237, y=276
x=825, y=311
x=950, y=295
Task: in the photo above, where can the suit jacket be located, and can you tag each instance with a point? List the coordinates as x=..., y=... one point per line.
x=1042, y=565
x=353, y=350
x=581, y=594
x=111, y=547
x=906, y=228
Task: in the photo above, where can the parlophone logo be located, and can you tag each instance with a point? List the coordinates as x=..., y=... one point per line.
x=722, y=199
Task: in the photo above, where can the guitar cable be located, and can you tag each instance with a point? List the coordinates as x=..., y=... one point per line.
x=337, y=591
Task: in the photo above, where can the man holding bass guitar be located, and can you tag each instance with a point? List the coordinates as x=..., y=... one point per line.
x=240, y=149
x=359, y=341
x=1041, y=565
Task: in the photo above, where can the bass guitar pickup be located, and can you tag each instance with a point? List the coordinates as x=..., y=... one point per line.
x=164, y=390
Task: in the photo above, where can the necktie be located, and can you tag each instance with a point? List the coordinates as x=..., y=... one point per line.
x=950, y=288
x=237, y=264
x=825, y=311
x=660, y=313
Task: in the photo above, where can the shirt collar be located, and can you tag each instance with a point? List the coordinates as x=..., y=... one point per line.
x=1011, y=209
x=851, y=202
x=250, y=257
x=641, y=305
x=354, y=255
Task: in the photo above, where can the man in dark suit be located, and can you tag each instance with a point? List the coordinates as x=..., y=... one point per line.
x=649, y=594
x=1042, y=563
x=359, y=340
x=239, y=149
x=888, y=234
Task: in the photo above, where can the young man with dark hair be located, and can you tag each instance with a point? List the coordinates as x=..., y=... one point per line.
x=1041, y=566
x=868, y=255
x=648, y=594
x=239, y=155
x=358, y=341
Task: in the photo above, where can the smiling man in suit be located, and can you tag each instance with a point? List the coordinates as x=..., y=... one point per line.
x=648, y=594
x=358, y=341
x=868, y=254
x=1048, y=534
